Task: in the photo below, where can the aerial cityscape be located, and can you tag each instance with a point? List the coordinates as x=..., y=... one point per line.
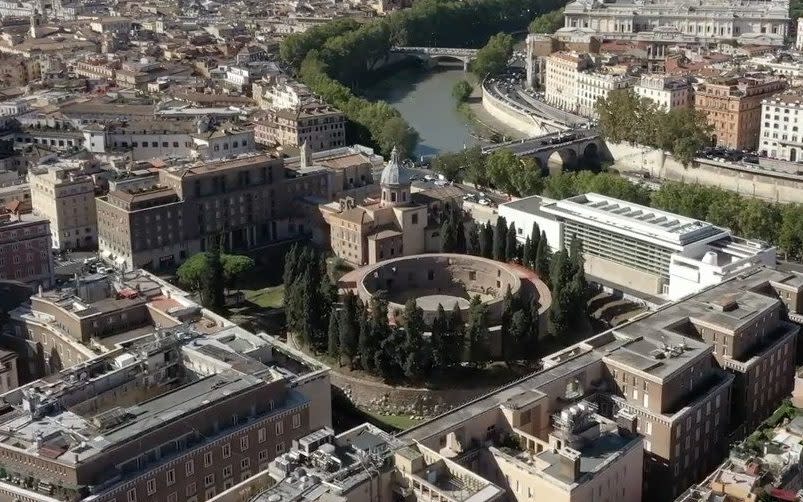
x=401, y=250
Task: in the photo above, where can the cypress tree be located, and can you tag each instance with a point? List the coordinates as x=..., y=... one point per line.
x=511, y=243
x=487, y=240
x=333, y=345
x=348, y=328
x=530, y=348
x=473, y=246
x=414, y=351
x=459, y=222
x=518, y=334
x=477, y=332
x=526, y=252
x=457, y=339
x=542, y=258
x=440, y=339
x=448, y=234
x=500, y=239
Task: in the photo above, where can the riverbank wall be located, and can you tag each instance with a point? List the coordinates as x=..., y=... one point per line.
x=744, y=180
x=511, y=117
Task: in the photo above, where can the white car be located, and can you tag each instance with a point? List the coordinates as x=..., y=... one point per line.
x=428, y=177
x=484, y=202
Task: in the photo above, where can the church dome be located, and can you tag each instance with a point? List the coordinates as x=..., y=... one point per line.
x=394, y=173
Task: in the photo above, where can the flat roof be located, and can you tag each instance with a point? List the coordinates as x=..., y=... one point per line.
x=620, y=216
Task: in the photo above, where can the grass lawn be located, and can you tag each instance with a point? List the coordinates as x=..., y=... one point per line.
x=270, y=297
x=398, y=422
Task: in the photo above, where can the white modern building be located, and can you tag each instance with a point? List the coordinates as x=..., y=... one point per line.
x=638, y=249
x=666, y=91
x=781, y=135
x=575, y=84
x=710, y=21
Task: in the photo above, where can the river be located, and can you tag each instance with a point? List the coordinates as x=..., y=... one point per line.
x=424, y=98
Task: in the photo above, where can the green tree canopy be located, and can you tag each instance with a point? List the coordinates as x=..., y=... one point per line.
x=462, y=91
x=492, y=59
x=547, y=23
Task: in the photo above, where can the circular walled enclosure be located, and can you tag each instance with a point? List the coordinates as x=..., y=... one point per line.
x=444, y=279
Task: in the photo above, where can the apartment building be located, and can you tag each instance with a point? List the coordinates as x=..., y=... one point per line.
x=25, y=249
x=715, y=21
x=574, y=83
x=733, y=108
x=320, y=126
x=781, y=121
x=63, y=192
x=248, y=202
x=665, y=91
x=640, y=250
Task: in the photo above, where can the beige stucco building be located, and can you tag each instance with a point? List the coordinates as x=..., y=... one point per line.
x=65, y=195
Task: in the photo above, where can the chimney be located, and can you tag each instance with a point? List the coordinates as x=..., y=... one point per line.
x=626, y=423
x=570, y=463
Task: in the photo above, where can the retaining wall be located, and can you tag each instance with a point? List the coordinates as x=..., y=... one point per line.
x=748, y=181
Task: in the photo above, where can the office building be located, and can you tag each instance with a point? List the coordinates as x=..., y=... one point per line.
x=63, y=192
x=248, y=202
x=25, y=249
x=715, y=21
x=637, y=249
x=781, y=121
x=733, y=108
x=665, y=91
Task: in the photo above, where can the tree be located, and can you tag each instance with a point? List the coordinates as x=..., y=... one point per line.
x=494, y=56
x=396, y=132
x=236, y=267
x=547, y=23
x=462, y=91
x=531, y=257
x=518, y=334
x=530, y=344
x=439, y=334
x=790, y=235
x=510, y=306
x=414, y=350
x=450, y=165
x=487, y=240
x=213, y=283
x=511, y=243
x=379, y=330
x=474, y=166
x=191, y=273
x=526, y=252
x=349, y=328
x=542, y=258
x=333, y=336
x=456, y=334
x=473, y=246
x=477, y=332
x=500, y=239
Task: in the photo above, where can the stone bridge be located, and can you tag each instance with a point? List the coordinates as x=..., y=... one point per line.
x=557, y=151
x=438, y=53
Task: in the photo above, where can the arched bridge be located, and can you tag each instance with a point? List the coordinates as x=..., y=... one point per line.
x=558, y=150
x=436, y=53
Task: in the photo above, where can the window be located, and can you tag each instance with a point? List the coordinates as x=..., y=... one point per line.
x=263, y=455
x=261, y=435
x=207, y=459
x=131, y=495
x=245, y=463
x=189, y=468
x=296, y=421
x=280, y=448
x=279, y=428
x=227, y=471
x=209, y=480
x=243, y=443
x=190, y=491
x=171, y=477
x=415, y=219
x=150, y=486
x=173, y=497
x=226, y=449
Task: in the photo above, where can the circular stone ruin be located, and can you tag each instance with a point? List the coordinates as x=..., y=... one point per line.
x=440, y=279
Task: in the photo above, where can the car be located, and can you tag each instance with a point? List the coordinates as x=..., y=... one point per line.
x=484, y=202
x=469, y=197
x=429, y=177
x=441, y=183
